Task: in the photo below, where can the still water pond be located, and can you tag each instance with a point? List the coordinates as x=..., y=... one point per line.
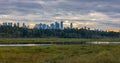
x=59, y=43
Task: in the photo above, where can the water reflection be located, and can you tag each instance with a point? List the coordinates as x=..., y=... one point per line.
x=103, y=42
x=24, y=44
x=60, y=43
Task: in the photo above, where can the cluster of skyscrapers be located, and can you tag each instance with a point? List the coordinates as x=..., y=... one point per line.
x=13, y=24
x=55, y=25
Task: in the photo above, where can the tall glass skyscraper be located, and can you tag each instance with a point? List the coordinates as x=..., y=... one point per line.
x=71, y=25
x=18, y=24
x=61, y=23
x=10, y=24
x=57, y=25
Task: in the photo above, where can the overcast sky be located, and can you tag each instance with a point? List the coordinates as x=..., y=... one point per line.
x=102, y=14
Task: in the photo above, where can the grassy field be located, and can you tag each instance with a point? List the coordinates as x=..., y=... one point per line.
x=33, y=40
x=61, y=54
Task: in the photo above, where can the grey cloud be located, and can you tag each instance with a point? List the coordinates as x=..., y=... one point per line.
x=111, y=24
x=48, y=9
x=67, y=5
x=27, y=5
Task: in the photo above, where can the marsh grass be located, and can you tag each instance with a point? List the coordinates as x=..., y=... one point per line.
x=61, y=54
x=51, y=40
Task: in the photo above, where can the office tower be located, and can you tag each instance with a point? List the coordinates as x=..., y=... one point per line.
x=37, y=26
x=15, y=25
x=61, y=25
x=71, y=25
x=52, y=26
x=18, y=24
x=28, y=26
x=40, y=26
x=85, y=27
x=44, y=26
x=48, y=27
x=57, y=25
x=88, y=28
x=5, y=24
x=10, y=24
x=24, y=26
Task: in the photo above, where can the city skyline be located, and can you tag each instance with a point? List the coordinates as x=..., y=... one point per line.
x=55, y=25
x=11, y=24
x=100, y=14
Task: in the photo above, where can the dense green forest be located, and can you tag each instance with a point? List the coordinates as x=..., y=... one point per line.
x=16, y=32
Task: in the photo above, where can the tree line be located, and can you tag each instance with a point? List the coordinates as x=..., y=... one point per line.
x=19, y=32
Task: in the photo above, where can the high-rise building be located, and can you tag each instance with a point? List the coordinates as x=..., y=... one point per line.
x=5, y=24
x=18, y=24
x=44, y=26
x=9, y=24
x=40, y=26
x=85, y=27
x=48, y=27
x=57, y=25
x=52, y=26
x=24, y=25
x=71, y=25
x=61, y=23
x=37, y=26
x=15, y=25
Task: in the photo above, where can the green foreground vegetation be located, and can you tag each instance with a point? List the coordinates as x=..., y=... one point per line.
x=34, y=40
x=86, y=53
x=61, y=54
